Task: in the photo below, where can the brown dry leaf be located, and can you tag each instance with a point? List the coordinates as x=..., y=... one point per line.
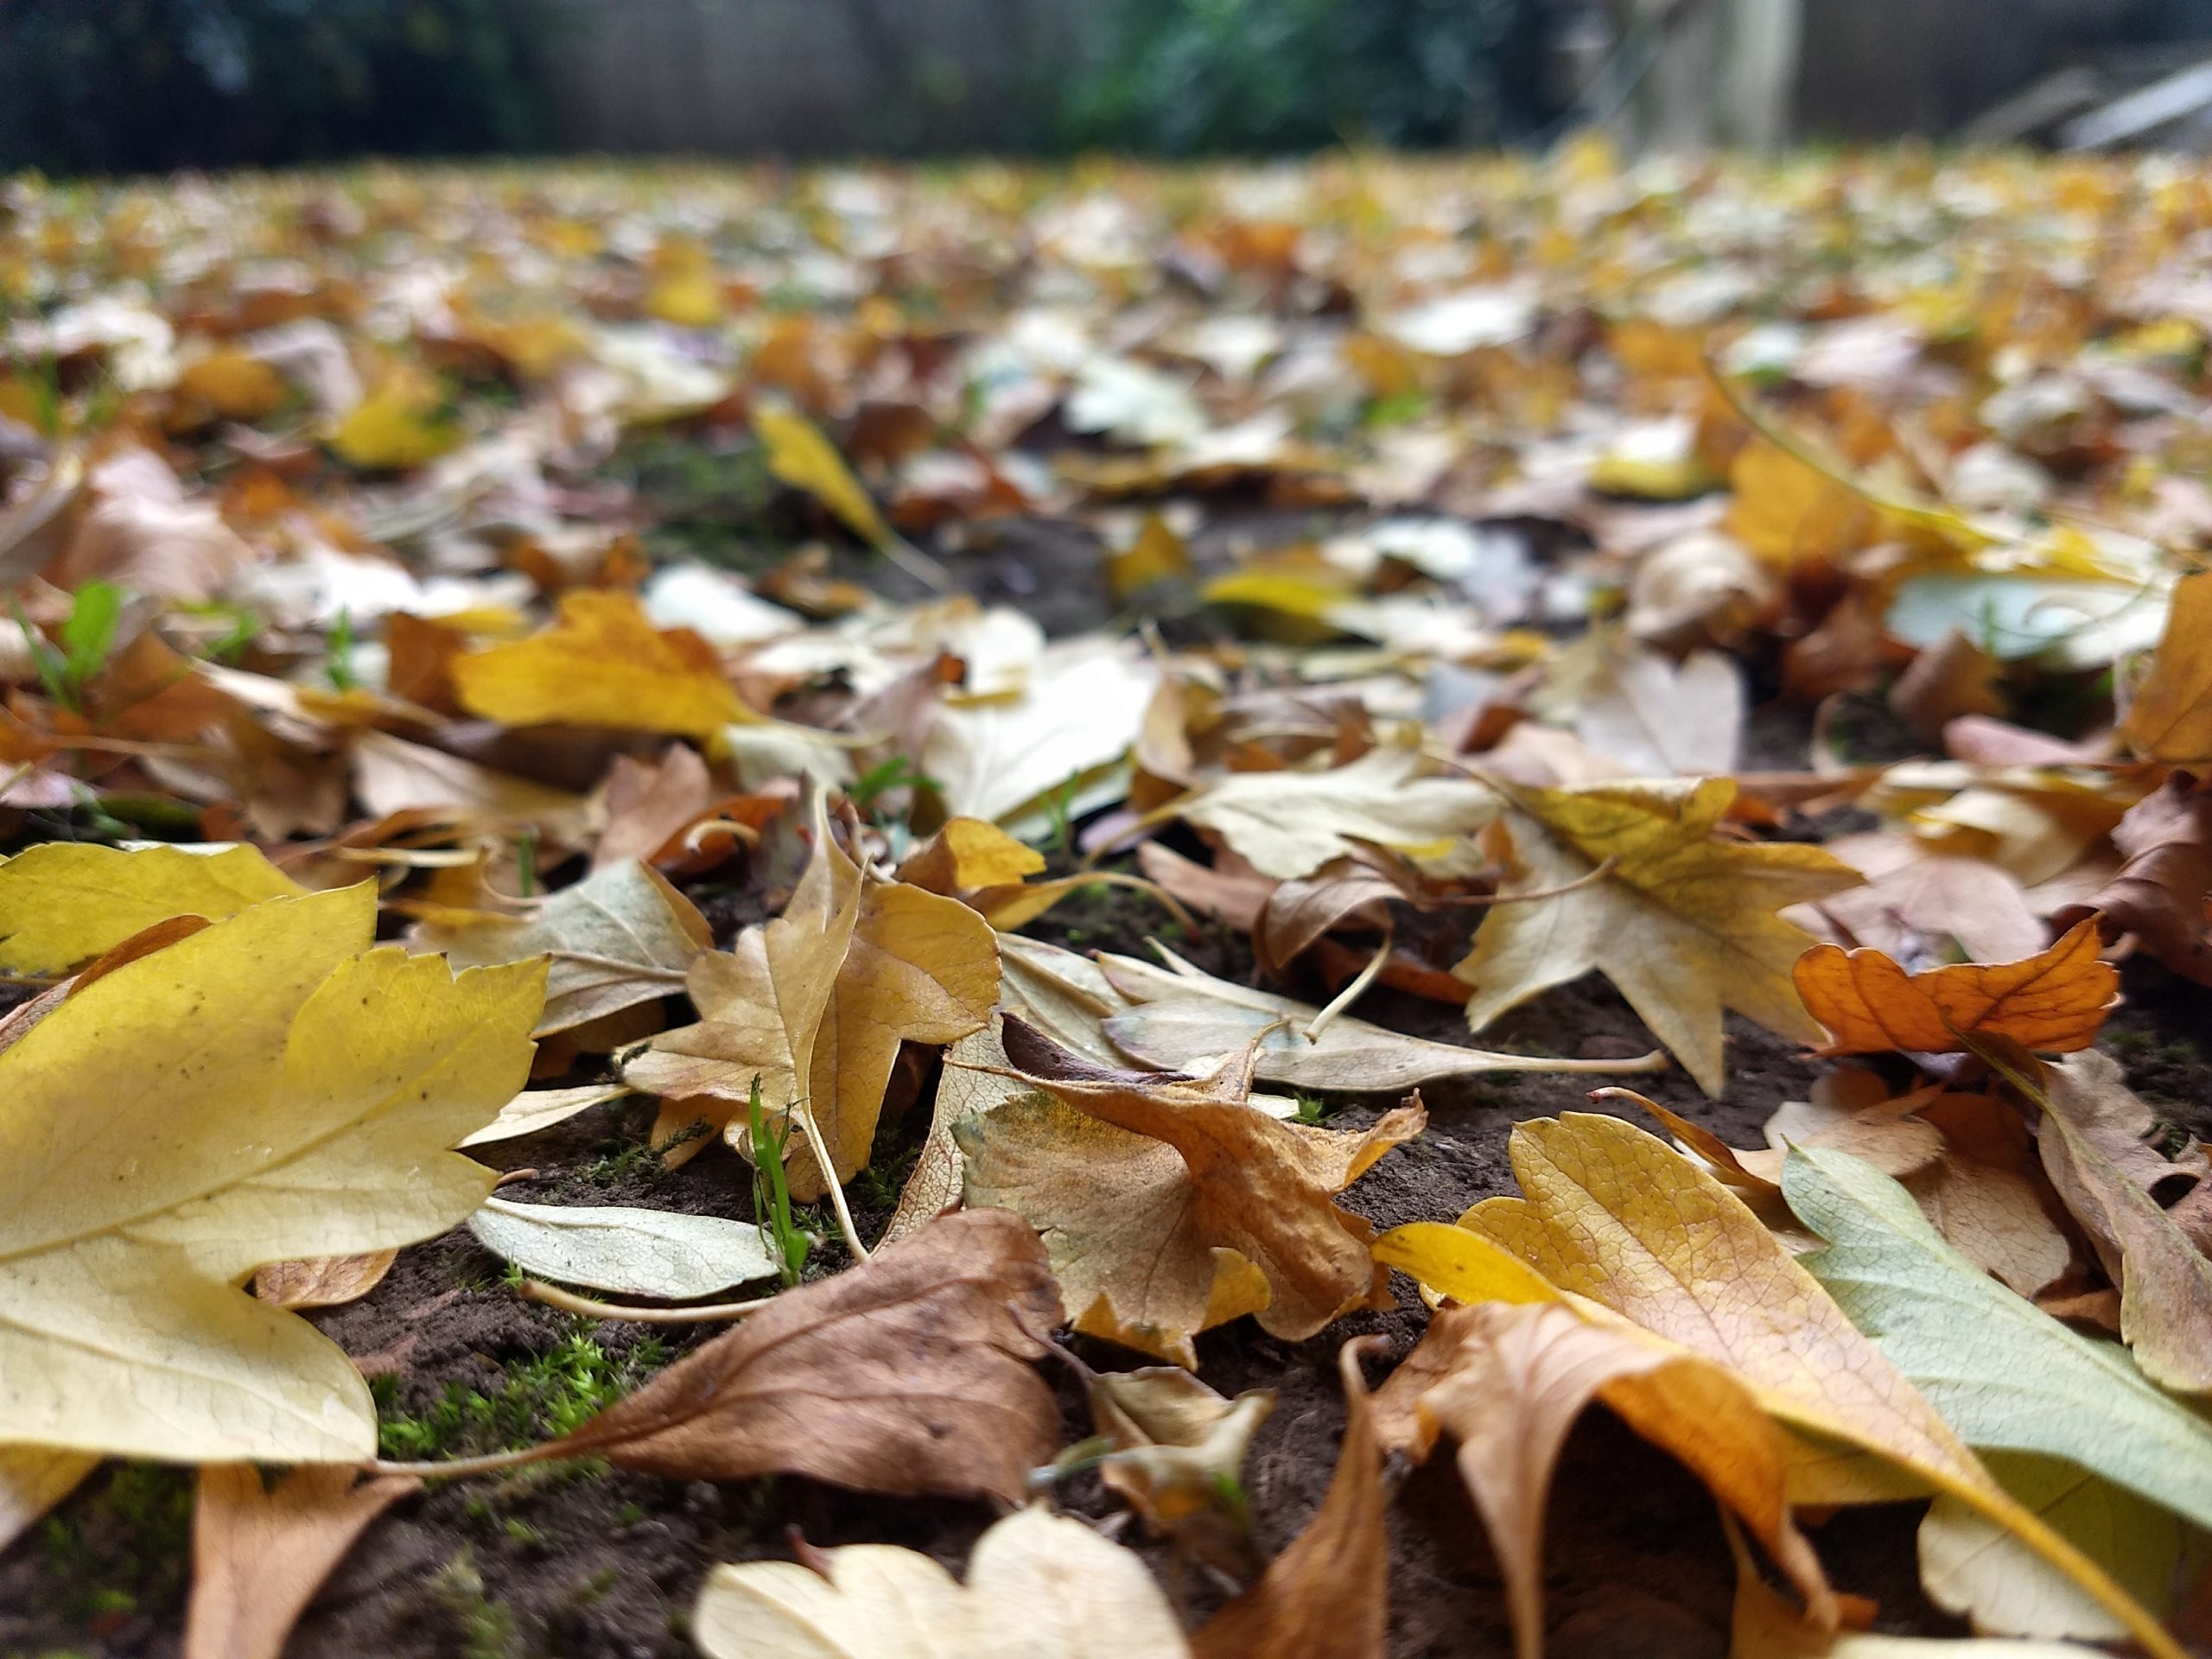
x=1170, y=1205
x=910, y=1373
x=2165, y=1283
x=1327, y=1595
x=1952, y=678
x=33, y=1479
x=144, y=534
x=259, y=1553
x=620, y=936
x=815, y=1003
x=649, y=803
x=2170, y=718
x=2159, y=893
x=1507, y=1380
x=1913, y=904
x=392, y=775
x=602, y=664
x=1986, y=1194
x=968, y=1084
x=322, y=1280
x=1683, y=921
x=2055, y=1001
x=2090, y=1090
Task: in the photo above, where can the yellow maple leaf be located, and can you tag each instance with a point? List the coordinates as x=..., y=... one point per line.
x=271, y=1088
x=602, y=662
x=63, y=903
x=1680, y=921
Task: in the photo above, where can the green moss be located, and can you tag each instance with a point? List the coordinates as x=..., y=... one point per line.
x=482, y=1628
x=125, y=1547
x=540, y=1398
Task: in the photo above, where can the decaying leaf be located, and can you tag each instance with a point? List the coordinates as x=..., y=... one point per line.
x=815, y=1003
x=602, y=664
x=1170, y=1204
x=275, y=1089
x=1043, y=1585
x=62, y=903
x=2055, y=1001
x=1327, y=1595
x=619, y=937
x=910, y=1373
x=1680, y=920
x=259, y=1553
x=1290, y=824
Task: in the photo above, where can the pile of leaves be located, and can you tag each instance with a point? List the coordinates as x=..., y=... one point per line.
x=496, y=658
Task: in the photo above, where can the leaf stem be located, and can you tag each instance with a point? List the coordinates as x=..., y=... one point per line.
x=813, y=1133
x=1357, y=986
x=567, y=1301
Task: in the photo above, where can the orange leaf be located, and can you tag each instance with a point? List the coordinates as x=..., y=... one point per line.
x=2053, y=1000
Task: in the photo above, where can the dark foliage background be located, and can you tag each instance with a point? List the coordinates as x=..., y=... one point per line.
x=135, y=86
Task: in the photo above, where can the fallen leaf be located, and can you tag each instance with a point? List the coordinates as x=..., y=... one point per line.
x=62, y=903
x=619, y=937
x=910, y=1373
x=1661, y=719
x=967, y=1085
x=2159, y=893
x=144, y=533
x=1914, y=905
x=2056, y=999
x=2170, y=717
x=391, y=776
x=2002, y=1372
x=2165, y=1283
x=660, y=1253
x=1040, y=1586
x=259, y=1553
x=397, y=425
x=322, y=1280
x=1290, y=824
x=540, y=1109
x=815, y=1003
x=1987, y=1193
x=602, y=662
x=2090, y=1092
x=997, y=759
x=966, y=853
x=1789, y=514
x=1170, y=1204
x=1973, y=1568
x=276, y=1089
x=1683, y=921
x=1507, y=1381
x=33, y=1479
x=1177, y=1449
x=1327, y=1595
x=1952, y=678
x=1182, y=1018
x=1611, y=1214
x=803, y=458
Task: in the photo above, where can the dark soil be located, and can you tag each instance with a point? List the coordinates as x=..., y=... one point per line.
x=589, y=1561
